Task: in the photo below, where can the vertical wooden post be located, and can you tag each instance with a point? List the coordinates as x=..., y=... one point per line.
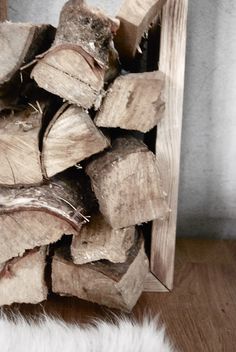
x=172, y=63
x=3, y=10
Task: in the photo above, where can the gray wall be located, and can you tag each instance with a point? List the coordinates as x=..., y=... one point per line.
x=207, y=200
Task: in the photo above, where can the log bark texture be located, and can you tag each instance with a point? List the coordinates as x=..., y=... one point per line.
x=36, y=216
x=134, y=102
x=22, y=279
x=70, y=138
x=135, y=17
x=127, y=184
x=113, y=285
x=75, y=66
x=98, y=240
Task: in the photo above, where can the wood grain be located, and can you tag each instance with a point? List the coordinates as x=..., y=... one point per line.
x=98, y=240
x=199, y=314
x=126, y=182
x=172, y=64
x=139, y=99
x=71, y=130
x=135, y=17
x=36, y=216
x=22, y=278
x=113, y=285
x=20, y=43
x=3, y=10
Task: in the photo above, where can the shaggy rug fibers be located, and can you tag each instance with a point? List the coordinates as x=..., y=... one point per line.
x=53, y=335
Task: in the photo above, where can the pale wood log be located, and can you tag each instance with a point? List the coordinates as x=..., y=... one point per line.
x=127, y=184
x=71, y=137
x=19, y=140
x=98, y=240
x=22, y=279
x=135, y=17
x=113, y=285
x=172, y=64
x=75, y=66
x=133, y=102
x=36, y=216
x=19, y=43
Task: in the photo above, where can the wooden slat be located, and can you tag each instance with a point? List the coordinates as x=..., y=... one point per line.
x=3, y=10
x=172, y=63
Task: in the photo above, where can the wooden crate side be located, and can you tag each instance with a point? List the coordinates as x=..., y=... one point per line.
x=168, y=142
x=3, y=10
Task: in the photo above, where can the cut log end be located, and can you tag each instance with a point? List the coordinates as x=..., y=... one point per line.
x=127, y=184
x=37, y=216
x=19, y=43
x=134, y=102
x=97, y=240
x=135, y=18
x=113, y=285
x=70, y=138
x=76, y=65
x=22, y=279
x=66, y=72
x=19, y=152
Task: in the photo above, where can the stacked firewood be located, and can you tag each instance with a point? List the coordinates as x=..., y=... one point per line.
x=73, y=160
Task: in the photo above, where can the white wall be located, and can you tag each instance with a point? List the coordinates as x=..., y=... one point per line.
x=207, y=201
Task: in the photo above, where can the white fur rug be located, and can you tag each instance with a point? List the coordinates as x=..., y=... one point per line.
x=51, y=335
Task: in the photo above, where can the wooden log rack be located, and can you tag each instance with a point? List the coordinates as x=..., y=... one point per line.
x=166, y=52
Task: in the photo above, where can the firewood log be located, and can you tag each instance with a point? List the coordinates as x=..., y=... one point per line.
x=19, y=43
x=135, y=18
x=75, y=66
x=19, y=139
x=22, y=278
x=70, y=137
x=126, y=182
x=113, y=285
x=134, y=102
x=36, y=216
x=97, y=240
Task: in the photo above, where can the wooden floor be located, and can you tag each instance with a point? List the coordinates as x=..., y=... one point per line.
x=200, y=313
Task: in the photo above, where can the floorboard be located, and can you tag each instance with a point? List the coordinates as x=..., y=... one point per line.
x=200, y=313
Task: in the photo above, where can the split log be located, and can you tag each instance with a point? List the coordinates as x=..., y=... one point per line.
x=97, y=240
x=22, y=279
x=135, y=18
x=127, y=184
x=134, y=102
x=75, y=66
x=19, y=43
x=37, y=216
x=113, y=285
x=19, y=140
x=70, y=138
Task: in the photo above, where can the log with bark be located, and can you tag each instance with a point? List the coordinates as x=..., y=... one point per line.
x=19, y=43
x=70, y=138
x=98, y=240
x=133, y=102
x=75, y=66
x=135, y=18
x=19, y=140
x=37, y=216
x=127, y=184
x=113, y=285
x=22, y=278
